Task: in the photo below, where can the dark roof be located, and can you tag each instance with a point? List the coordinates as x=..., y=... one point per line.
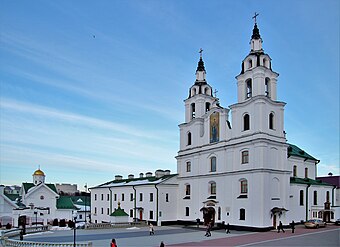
x=65, y=202
x=119, y=212
x=298, y=152
x=256, y=33
x=200, y=66
x=146, y=179
x=334, y=180
x=27, y=186
x=308, y=181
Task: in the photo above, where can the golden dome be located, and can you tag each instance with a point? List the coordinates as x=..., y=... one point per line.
x=38, y=173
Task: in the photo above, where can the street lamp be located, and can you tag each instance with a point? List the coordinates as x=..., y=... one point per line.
x=85, y=201
x=36, y=216
x=74, y=228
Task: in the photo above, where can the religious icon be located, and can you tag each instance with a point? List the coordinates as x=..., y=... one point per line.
x=214, y=127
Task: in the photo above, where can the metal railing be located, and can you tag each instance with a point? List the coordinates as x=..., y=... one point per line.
x=18, y=243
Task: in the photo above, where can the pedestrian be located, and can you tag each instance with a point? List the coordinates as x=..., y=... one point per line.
x=21, y=235
x=113, y=243
x=162, y=244
x=208, y=233
x=280, y=227
x=227, y=229
x=152, y=231
x=293, y=226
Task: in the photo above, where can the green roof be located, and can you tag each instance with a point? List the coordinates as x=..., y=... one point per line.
x=119, y=212
x=65, y=202
x=298, y=152
x=27, y=186
x=147, y=179
x=295, y=180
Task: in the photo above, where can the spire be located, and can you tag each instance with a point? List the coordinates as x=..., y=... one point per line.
x=200, y=66
x=256, y=32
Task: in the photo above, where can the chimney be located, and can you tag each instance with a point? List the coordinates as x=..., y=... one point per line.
x=148, y=174
x=159, y=173
x=141, y=174
x=131, y=176
x=118, y=177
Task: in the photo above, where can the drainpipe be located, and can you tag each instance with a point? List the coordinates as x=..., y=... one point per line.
x=110, y=200
x=156, y=204
x=334, y=187
x=307, y=201
x=134, y=204
x=85, y=206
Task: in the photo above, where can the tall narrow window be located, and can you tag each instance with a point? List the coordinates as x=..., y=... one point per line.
x=315, y=198
x=131, y=212
x=242, y=214
x=123, y=197
x=131, y=196
x=108, y=197
x=306, y=172
x=301, y=198
x=167, y=197
x=212, y=188
x=187, y=213
x=140, y=197
x=188, y=166
x=250, y=63
x=151, y=215
x=189, y=138
x=151, y=197
x=244, y=186
x=249, y=88
x=271, y=121
x=267, y=87
x=245, y=157
x=115, y=197
x=246, y=122
x=187, y=190
x=294, y=171
x=193, y=111
x=207, y=106
x=213, y=164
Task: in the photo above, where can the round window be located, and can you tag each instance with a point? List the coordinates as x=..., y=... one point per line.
x=42, y=197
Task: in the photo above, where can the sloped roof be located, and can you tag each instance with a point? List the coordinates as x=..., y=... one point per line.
x=27, y=186
x=334, y=180
x=119, y=212
x=308, y=181
x=136, y=181
x=65, y=202
x=298, y=152
x=81, y=200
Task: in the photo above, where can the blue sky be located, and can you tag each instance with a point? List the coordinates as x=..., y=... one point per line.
x=91, y=89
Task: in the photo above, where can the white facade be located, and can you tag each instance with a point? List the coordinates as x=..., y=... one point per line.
x=150, y=198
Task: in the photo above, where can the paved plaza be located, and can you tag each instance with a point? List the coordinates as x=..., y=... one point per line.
x=177, y=236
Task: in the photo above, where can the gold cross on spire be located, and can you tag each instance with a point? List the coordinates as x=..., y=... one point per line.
x=254, y=17
x=200, y=52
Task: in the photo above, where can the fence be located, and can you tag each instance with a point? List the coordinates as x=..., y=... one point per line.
x=112, y=225
x=17, y=243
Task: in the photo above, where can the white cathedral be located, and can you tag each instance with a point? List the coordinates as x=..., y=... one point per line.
x=234, y=164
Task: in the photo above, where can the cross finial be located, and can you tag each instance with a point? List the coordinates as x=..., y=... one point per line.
x=215, y=92
x=255, y=15
x=200, y=52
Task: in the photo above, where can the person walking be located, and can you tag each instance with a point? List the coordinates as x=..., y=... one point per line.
x=152, y=231
x=293, y=226
x=113, y=243
x=162, y=244
x=280, y=227
x=208, y=233
x=227, y=229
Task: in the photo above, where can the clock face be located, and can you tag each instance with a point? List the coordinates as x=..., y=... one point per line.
x=42, y=197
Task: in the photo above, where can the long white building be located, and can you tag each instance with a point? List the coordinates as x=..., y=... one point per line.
x=234, y=164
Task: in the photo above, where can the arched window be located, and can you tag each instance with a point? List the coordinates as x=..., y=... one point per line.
x=206, y=91
x=188, y=166
x=250, y=63
x=246, y=122
x=187, y=211
x=245, y=157
x=207, y=106
x=244, y=186
x=187, y=190
x=212, y=186
x=301, y=198
x=193, y=111
x=294, y=171
x=242, y=214
x=213, y=164
x=267, y=87
x=189, y=138
x=306, y=172
x=271, y=121
x=249, y=88
x=315, y=198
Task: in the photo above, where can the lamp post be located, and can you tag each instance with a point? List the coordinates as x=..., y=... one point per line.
x=85, y=201
x=74, y=228
x=36, y=216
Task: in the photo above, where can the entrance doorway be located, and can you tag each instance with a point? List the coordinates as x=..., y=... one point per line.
x=208, y=215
